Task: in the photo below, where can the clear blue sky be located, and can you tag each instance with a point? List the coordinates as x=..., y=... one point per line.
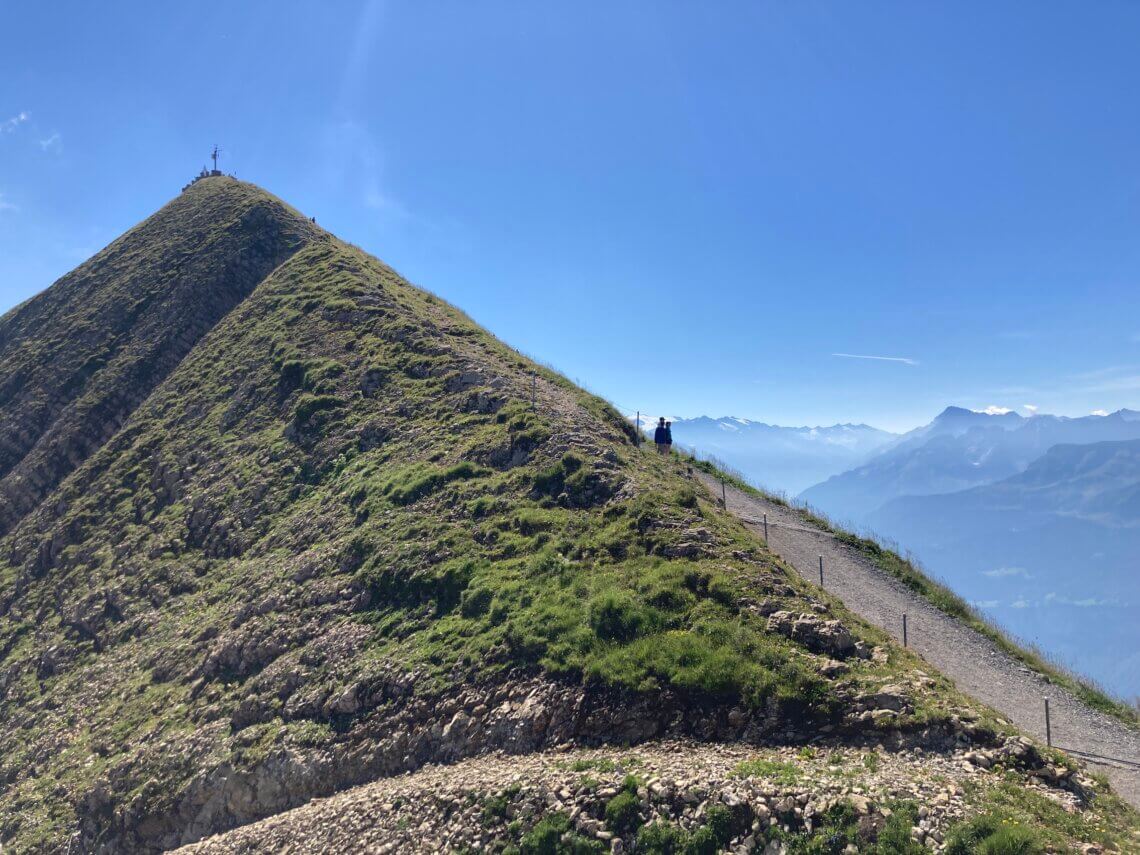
x=690, y=208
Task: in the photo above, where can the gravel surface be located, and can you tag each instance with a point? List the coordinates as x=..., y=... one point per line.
x=976, y=664
x=444, y=808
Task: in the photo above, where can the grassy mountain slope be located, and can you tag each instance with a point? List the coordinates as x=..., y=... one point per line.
x=76, y=360
x=337, y=540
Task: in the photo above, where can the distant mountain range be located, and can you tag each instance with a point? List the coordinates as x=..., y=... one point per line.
x=960, y=449
x=782, y=459
x=1097, y=483
x=1036, y=519
x=1053, y=552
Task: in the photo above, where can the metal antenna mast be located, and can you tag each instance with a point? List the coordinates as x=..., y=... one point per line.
x=217, y=151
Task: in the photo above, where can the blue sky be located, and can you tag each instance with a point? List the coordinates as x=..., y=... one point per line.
x=690, y=208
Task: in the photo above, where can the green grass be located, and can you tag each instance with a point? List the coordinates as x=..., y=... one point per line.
x=993, y=835
x=1109, y=822
x=552, y=835
x=315, y=473
x=495, y=807
x=312, y=507
x=833, y=831
x=785, y=774
x=623, y=811
x=414, y=482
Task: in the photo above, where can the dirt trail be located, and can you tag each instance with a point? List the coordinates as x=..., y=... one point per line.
x=976, y=664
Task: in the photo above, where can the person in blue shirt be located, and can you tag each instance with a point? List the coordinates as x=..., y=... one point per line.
x=668, y=437
x=659, y=436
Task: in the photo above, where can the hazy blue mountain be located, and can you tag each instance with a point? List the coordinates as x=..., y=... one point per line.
x=960, y=449
x=786, y=459
x=1052, y=552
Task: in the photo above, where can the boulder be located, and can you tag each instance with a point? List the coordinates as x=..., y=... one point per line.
x=818, y=635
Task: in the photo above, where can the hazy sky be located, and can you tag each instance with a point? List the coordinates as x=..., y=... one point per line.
x=795, y=212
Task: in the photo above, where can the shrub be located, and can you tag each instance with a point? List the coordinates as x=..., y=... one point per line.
x=661, y=838
x=615, y=617
x=623, y=813
x=991, y=835
x=894, y=838
x=702, y=842
x=474, y=602
x=546, y=839
x=720, y=824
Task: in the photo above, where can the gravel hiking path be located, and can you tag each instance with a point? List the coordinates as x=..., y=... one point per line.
x=976, y=664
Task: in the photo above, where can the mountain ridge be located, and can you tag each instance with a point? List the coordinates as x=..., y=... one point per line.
x=350, y=533
x=332, y=507
x=136, y=332
x=967, y=449
x=1048, y=550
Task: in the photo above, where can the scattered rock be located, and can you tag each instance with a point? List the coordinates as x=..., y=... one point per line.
x=818, y=635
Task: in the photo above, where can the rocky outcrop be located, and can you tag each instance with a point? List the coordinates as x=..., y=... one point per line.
x=828, y=637
x=403, y=733
x=743, y=800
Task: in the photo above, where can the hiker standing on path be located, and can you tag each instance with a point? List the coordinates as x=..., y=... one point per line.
x=668, y=437
x=659, y=436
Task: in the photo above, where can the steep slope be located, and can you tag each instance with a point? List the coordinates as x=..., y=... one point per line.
x=350, y=533
x=786, y=459
x=76, y=360
x=339, y=498
x=957, y=451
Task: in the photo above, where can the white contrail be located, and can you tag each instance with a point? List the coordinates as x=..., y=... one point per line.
x=901, y=359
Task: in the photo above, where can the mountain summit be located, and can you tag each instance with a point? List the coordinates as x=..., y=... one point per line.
x=276, y=523
x=78, y=359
